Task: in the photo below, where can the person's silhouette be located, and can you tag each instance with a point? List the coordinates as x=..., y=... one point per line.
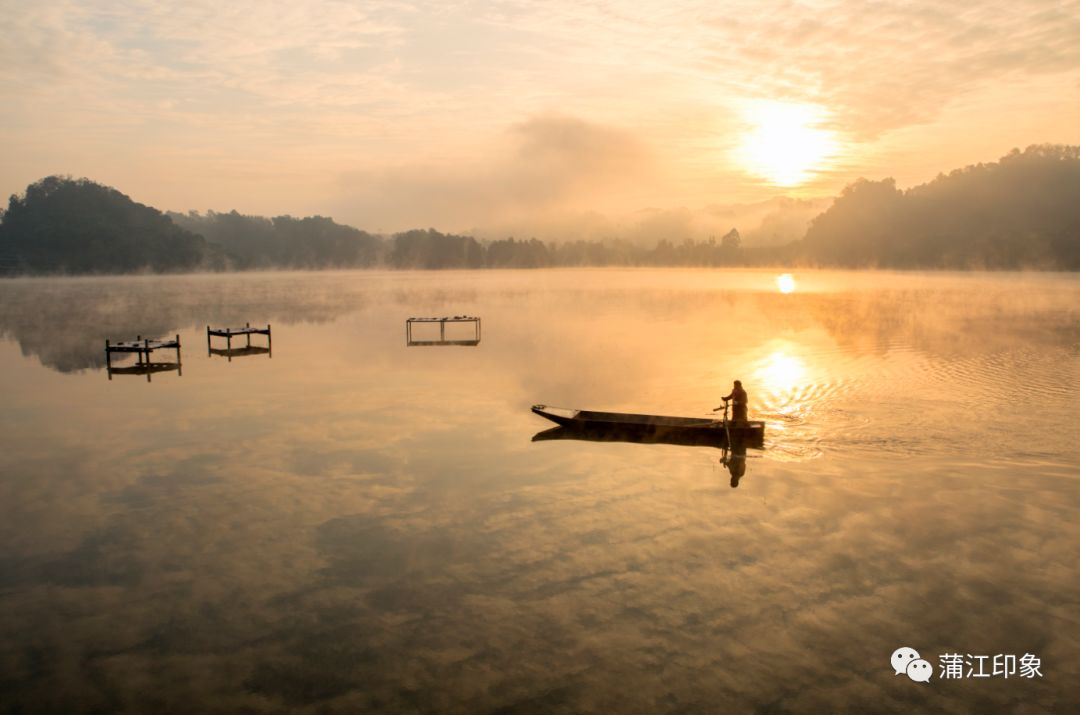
x=738, y=402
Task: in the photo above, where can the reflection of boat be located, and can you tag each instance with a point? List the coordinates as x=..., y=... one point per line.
x=688, y=438
x=734, y=455
x=659, y=427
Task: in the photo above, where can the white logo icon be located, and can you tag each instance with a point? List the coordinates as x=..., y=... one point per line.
x=920, y=670
x=902, y=658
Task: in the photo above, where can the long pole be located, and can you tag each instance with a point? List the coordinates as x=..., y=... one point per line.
x=727, y=430
x=146, y=347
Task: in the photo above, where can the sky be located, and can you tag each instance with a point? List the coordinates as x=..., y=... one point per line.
x=554, y=118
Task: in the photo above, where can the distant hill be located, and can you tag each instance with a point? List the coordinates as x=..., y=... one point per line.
x=63, y=225
x=1020, y=212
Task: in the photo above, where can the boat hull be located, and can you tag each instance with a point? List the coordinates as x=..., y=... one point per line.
x=696, y=429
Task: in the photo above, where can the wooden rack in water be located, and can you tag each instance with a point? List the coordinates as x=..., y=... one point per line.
x=142, y=347
x=409, y=340
x=247, y=331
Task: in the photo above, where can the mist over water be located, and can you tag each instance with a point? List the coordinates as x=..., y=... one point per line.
x=357, y=525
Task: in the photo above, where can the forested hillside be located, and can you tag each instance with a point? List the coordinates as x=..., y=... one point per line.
x=1020, y=212
x=62, y=225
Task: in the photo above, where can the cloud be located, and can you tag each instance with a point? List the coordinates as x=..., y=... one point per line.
x=877, y=66
x=260, y=106
x=558, y=177
x=944, y=56
x=194, y=65
x=546, y=164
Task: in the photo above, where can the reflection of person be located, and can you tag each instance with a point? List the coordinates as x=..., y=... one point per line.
x=737, y=467
x=736, y=462
x=738, y=401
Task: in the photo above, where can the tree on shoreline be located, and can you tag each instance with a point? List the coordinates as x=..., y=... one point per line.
x=62, y=225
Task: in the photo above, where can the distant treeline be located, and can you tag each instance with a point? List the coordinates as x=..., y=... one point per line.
x=75, y=226
x=286, y=242
x=1021, y=212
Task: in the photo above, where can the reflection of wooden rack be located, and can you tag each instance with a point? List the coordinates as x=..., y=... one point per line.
x=142, y=347
x=230, y=353
x=409, y=340
x=247, y=331
x=145, y=368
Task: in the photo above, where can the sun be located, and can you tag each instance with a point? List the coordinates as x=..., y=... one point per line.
x=785, y=283
x=785, y=144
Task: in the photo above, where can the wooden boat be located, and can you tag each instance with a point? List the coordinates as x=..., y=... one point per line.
x=749, y=430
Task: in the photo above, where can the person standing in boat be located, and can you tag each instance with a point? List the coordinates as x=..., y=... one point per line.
x=738, y=402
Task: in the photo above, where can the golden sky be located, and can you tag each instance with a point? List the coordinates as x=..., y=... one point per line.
x=549, y=117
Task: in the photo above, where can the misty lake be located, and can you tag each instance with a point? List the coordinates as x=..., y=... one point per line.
x=350, y=524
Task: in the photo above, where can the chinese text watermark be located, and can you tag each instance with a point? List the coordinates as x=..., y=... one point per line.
x=957, y=666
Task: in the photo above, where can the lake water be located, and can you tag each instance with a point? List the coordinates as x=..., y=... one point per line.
x=350, y=524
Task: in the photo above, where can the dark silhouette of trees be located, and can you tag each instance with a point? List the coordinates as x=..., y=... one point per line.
x=284, y=241
x=581, y=253
x=249, y=241
x=692, y=253
x=1020, y=212
x=431, y=249
x=64, y=225
x=318, y=242
x=509, y=253
x=859, y=227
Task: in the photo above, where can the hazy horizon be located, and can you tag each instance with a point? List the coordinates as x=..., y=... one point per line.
x=524, y=119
